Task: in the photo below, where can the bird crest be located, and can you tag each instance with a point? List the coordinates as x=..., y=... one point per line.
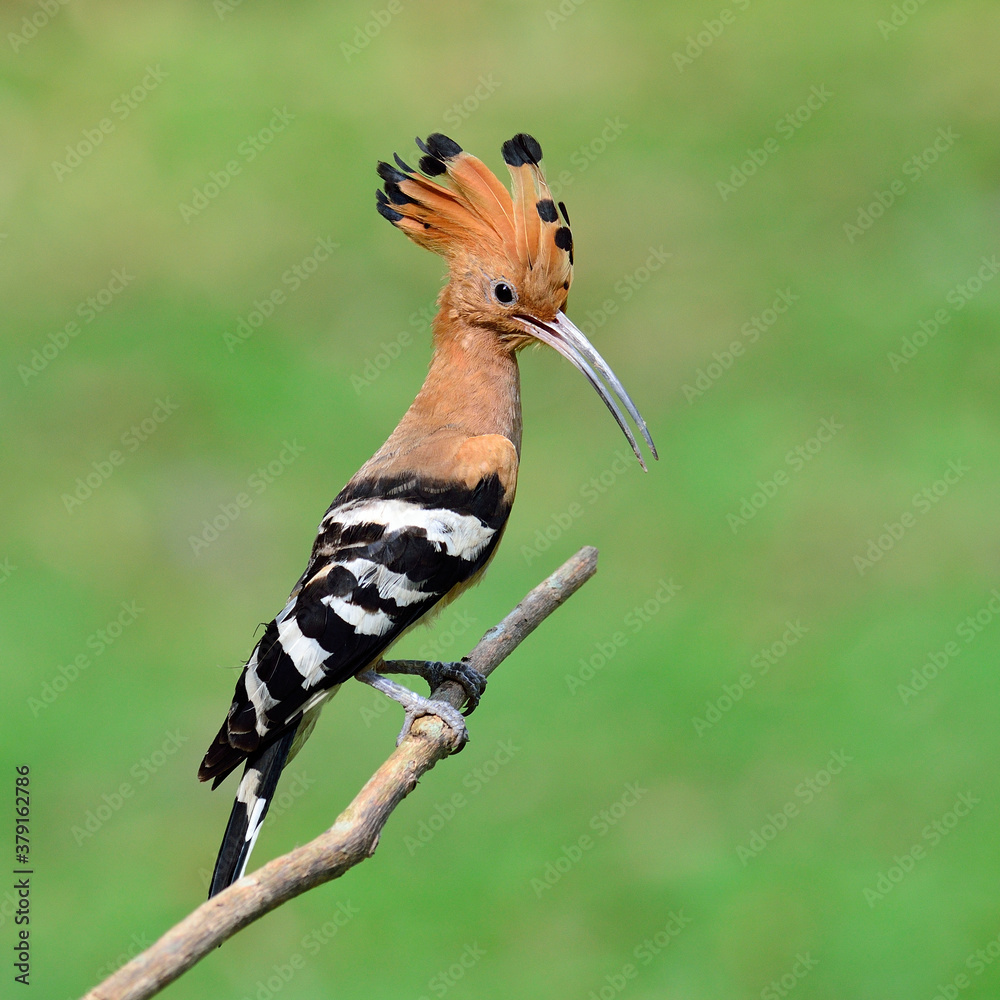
x=467, y=215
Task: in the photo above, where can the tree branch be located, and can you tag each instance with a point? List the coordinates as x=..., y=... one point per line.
x=355, y=834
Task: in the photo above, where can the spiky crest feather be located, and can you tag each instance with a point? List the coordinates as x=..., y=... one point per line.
x=468, y=217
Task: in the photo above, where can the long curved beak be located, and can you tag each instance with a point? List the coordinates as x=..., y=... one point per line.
x=570, y=342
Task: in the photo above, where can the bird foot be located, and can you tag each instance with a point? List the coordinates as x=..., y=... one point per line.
x=435, y=672
x=416, y=705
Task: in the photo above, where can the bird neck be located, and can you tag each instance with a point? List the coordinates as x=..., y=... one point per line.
x=473, y=384
x=471, y=390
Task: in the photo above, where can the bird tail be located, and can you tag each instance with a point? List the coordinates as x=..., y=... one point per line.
x=260, y=778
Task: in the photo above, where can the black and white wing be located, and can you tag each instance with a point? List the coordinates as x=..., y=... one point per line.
x=385, y=554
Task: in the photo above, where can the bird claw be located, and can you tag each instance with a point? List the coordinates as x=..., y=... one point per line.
x=427, y=706
x=416, y=705
x=470, y=680
x=437, y=672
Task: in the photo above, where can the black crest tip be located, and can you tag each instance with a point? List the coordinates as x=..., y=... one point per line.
x=531, y=147
x=389, y=173
x=511, y=154
x=523, y=148
x=565, y=214
x=432, y=166
x=546, y=210
x=564, y=238
x=388, y=213
x=441, y=146
x=396, y=196
x=402, y=164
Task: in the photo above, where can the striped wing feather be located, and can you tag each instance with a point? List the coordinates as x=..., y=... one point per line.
x=386, y=553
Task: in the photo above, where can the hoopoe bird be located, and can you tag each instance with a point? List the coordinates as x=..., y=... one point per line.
x=421, y=519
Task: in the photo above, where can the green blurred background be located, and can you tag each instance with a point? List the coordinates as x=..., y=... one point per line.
x=699, y=726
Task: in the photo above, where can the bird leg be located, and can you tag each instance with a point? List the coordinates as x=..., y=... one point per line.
x=415, y=705
x=436, y=673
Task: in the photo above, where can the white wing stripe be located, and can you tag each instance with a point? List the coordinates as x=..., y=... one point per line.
x=306, y=653
x=391, y=586
x=364, y=622
x=258, y=694
x=462, y=535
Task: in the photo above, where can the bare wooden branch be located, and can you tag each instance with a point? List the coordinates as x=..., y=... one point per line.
x=355, y=834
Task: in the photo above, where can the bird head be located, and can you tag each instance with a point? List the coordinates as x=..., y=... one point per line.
x=509, y=253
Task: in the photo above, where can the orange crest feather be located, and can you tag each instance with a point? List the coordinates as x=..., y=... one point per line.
x=468, y=211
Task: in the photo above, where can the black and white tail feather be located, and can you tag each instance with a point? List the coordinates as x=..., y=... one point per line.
x=260, y=779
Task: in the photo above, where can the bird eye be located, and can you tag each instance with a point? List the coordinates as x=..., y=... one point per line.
x=503, y=293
